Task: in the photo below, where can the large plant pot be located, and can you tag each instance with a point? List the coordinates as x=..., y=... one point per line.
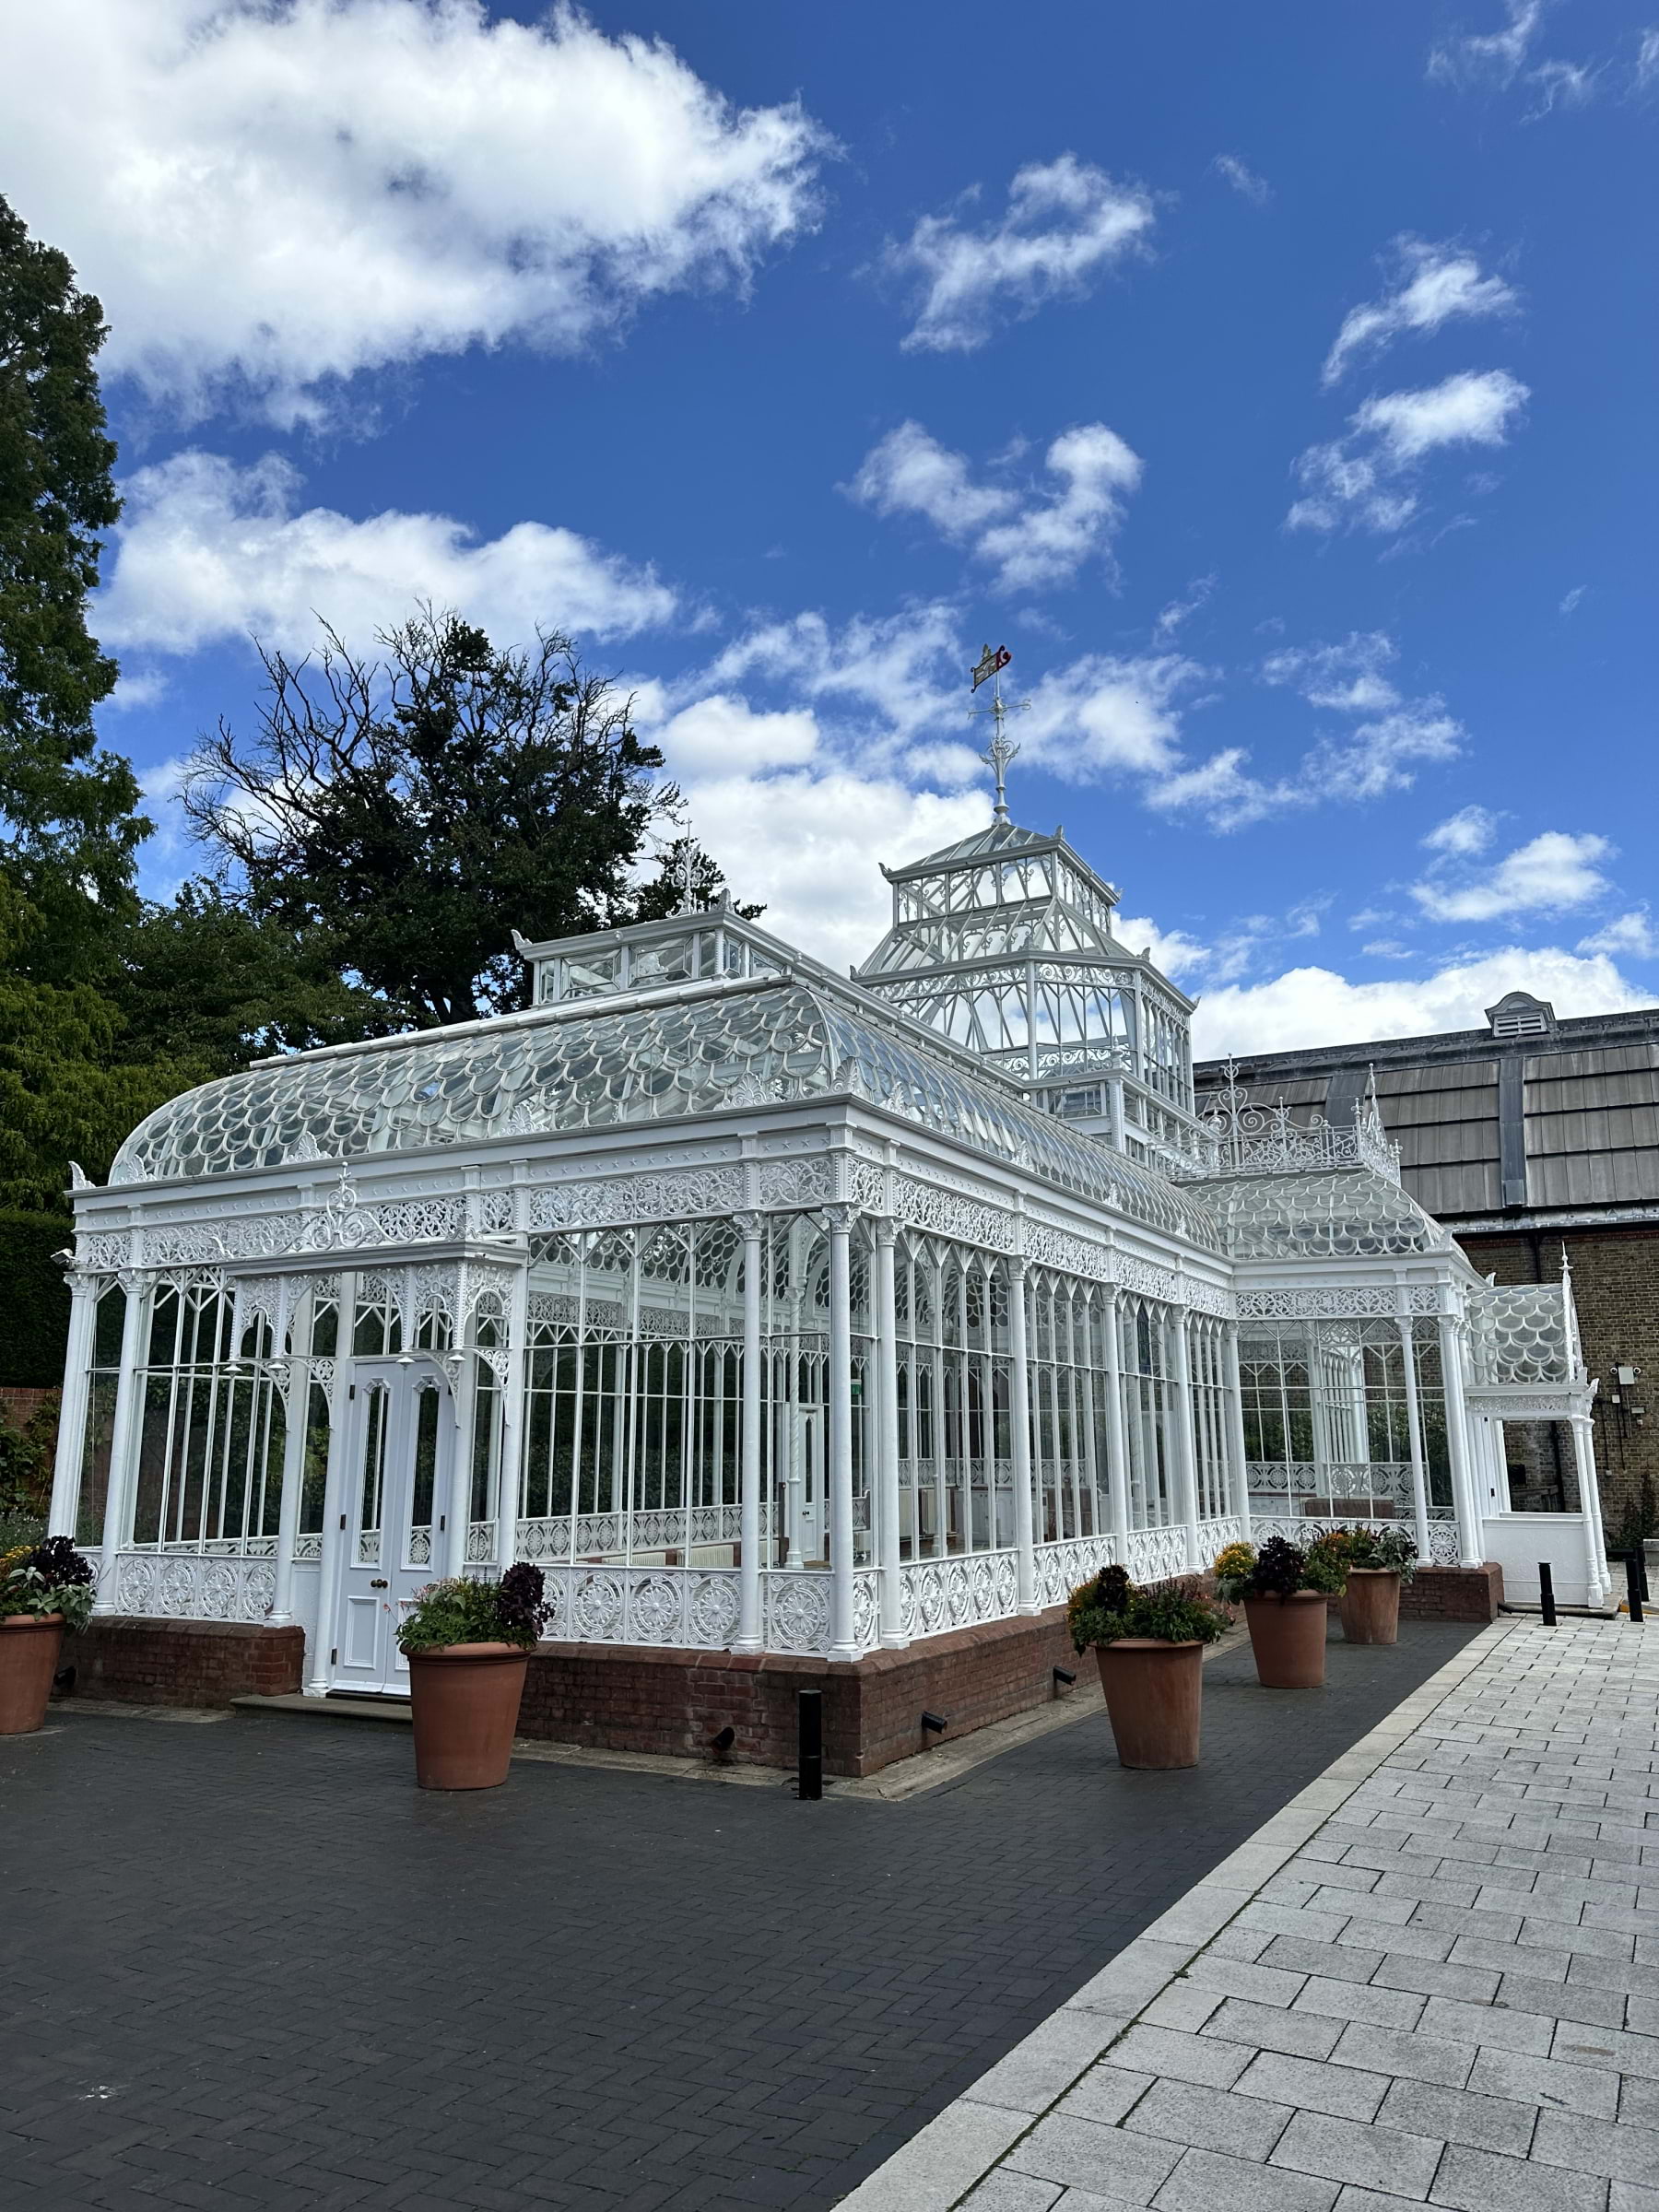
x=1288, y=1636
x=29, y=1644
x=1371, y=1606
x=466, y=1701
x=1154, y=1693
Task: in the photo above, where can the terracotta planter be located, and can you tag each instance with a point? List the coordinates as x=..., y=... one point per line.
x=1153, y=1697
x=1371, y=1606
x=466, y=1700
x=29, y=1644
x=1288, y=1636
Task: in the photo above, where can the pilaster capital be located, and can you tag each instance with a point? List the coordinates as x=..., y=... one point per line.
x=886, y=1231
x=839, y=1220
x=751, y=1228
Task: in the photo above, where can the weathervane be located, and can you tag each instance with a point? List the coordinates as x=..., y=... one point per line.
x=1002, y=748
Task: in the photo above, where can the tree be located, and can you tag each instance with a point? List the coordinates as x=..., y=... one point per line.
x=401, y=818
x=67, y=822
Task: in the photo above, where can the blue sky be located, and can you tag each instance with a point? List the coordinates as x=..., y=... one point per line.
x=1275, y=382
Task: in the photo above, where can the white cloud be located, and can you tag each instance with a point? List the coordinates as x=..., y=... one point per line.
x=1501, y=58
x=1065, y=222
x=267, y=199
x=1032, y=542
x=807, y=842
x=1646, y=71
x=1471, y=829
x=1553, y=871
x=720, y=732
x=1101, y=714
x=206, y=551
x=1315, y=1006
x=1364, y=481
x=1182, y=610
x=886, y=681
x=1348, y=676
x=1243, y=179
x=1433, y=285
x=1632, y=933
x=1571, y=603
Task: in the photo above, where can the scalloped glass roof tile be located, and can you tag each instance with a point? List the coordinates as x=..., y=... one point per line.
x=1337, y=1213
x=792, y=1038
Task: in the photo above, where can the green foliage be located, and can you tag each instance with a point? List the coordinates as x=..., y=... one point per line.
x=68, y=825
x=26, y=1459
x=48, y=1577
x=35, y=1300
x=1389, y=1549
x=402, y=818
x=1110, y=1605
x=1279, y=1570
x=464, y=1611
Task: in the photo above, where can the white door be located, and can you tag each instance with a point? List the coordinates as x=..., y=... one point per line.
x=401, y=1439
x=810, y=1523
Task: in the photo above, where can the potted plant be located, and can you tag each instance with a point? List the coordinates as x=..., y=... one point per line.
x=1283, y=1591
x=468, y=1645
x=45, y=1588
x=1379, y=1562
x=1150, y=1644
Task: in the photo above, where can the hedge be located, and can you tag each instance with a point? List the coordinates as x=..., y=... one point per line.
x=34, y=1299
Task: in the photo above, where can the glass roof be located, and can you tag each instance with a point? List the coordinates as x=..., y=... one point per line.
x=1344, y=1213
x=709, y=1046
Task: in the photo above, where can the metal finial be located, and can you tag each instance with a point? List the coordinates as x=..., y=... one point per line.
x=1002, y=748
x=683, y=874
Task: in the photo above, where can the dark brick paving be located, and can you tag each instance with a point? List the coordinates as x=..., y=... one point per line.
x=250, y=1965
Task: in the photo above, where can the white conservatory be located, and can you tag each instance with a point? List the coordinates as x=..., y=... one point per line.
x=773, y=1311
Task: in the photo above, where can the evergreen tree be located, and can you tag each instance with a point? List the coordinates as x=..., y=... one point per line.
x=67, y=822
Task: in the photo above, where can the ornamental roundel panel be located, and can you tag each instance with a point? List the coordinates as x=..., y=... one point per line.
x=800, y=1612
x=863, y=1612
x=928, y=1583
x=1006, y=1582
x=135, y=1585
x=175, y=1587
x=958, y=1598
x=596, y=1609
x=712, y=1612
x=982, y=1589
x=219, y=1591
x=653, y=1609
x=259, y=1591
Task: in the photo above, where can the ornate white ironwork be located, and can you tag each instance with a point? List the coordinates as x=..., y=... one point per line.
x=1336, y=1302
x=1333, y=1478
x=1155, y=1555
x=1241, y=1138
x=192, y=1585
x=1521, y=1333
x=624, y=1198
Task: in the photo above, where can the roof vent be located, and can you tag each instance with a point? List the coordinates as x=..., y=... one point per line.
x=1518, y=1014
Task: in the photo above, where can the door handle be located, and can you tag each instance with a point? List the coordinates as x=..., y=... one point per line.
x=378, y=1583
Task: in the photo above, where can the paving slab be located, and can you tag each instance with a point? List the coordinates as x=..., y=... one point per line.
x=1442, y=1992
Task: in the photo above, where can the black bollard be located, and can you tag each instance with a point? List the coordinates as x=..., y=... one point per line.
x=1546, y=1593
x=809, y=1768
x=1633, y=1580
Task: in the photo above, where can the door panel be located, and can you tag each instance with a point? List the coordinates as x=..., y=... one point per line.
x=402, y=1442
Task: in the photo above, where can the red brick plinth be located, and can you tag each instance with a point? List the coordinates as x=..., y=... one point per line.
x=1453, y=1594
x=141, y=1662
x=636, y=1698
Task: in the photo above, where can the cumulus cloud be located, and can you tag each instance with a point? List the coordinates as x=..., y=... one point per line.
x=206, y=551
x=1179, y=611
x=1065, y=222
x=1366, y=479
x=268, y=200
x=1632, y=933
x=1433, y=285
x=1104, y=715
x=1243, y=179
x=1316, y=1005
x=1471, y=829
x=1030, y=540
x=1553, y=871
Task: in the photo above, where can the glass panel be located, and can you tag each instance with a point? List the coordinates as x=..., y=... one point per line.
x=429, y=1404
x=373, y=1477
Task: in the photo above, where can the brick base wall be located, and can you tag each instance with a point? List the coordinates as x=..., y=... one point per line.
x=1453, y=1594
x=628, y=1698
x=20, y=1401
x=207, y=1662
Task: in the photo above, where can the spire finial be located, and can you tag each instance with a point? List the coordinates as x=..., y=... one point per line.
x=1002, y=748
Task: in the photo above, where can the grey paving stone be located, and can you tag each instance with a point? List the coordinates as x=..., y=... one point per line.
x=1105, y=2093
x=1312, y=2086
x=1354, y=2199
x=1563, y=2001
x=1481, y=2180
x=1489, y=2025
x=1409, y=1942
x=1007, y=2192
x=1181, y=2057
x=1330, y=1958
x=1187, y=2005
x=1270, y=2028
x=1419, y=2056
x=1360, y=2001
x=1342, y=2150
x=1424, y=2108
x=1180, y=2111
x=1637, y=2102
x=1547, y=2081
x=1630, y=2196
x=1434, y=1978
x=1510, y=1957
x=1085, y=2156
x=1238, y=1978
x=1629, y=2153
x=1207, y=2180
x=1607, y=2047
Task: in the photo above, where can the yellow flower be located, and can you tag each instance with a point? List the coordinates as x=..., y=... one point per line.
x=1236, y=1560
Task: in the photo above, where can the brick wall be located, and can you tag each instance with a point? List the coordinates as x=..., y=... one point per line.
x=1615, y=1284
x=204, y=1662
x=20, y=1401
x=633, y=1698
x=1453, y=1594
